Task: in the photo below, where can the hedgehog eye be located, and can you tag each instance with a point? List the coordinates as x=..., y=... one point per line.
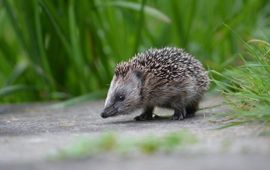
x=120, y=98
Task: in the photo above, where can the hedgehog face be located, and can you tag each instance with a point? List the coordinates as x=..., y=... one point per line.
x=124, y=94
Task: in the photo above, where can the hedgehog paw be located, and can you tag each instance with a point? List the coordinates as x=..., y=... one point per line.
x=143, y=117
x=179, y=115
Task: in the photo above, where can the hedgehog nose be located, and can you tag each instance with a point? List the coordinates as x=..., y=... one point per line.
x=103, y=115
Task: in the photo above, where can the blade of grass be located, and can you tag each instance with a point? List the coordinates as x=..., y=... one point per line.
x=140, y=26
x=14, y=89
x=137, y=7
x=40, y=44
x=52, y=16
x=81, y=99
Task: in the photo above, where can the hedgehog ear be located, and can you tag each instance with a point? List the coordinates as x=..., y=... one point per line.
x=138, y=74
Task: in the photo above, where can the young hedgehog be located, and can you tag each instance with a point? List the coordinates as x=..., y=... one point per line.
x=167, y=77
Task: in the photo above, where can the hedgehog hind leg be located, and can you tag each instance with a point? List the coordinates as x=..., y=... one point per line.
x=192, y=108
x=147, y=114
x=178, y=105
x=179, y=114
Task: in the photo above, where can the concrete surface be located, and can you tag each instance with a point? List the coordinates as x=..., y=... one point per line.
x=29, y=133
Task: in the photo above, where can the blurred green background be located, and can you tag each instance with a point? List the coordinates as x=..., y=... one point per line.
x=60, y=49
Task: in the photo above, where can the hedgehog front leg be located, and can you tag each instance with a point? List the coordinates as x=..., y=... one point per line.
x=147, y=114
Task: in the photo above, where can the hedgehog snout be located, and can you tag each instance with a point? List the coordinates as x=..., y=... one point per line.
x=108, y=112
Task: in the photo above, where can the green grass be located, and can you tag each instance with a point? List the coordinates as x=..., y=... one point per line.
x=112, y=143
x=55, y=50
x=247, y=88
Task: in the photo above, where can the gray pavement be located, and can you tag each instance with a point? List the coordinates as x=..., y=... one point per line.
x=30, y=132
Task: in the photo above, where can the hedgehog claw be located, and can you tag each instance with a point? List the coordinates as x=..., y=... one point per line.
x=179, y=115
x=157, y=117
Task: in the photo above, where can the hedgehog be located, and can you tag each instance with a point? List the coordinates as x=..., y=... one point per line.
x=168, y=78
